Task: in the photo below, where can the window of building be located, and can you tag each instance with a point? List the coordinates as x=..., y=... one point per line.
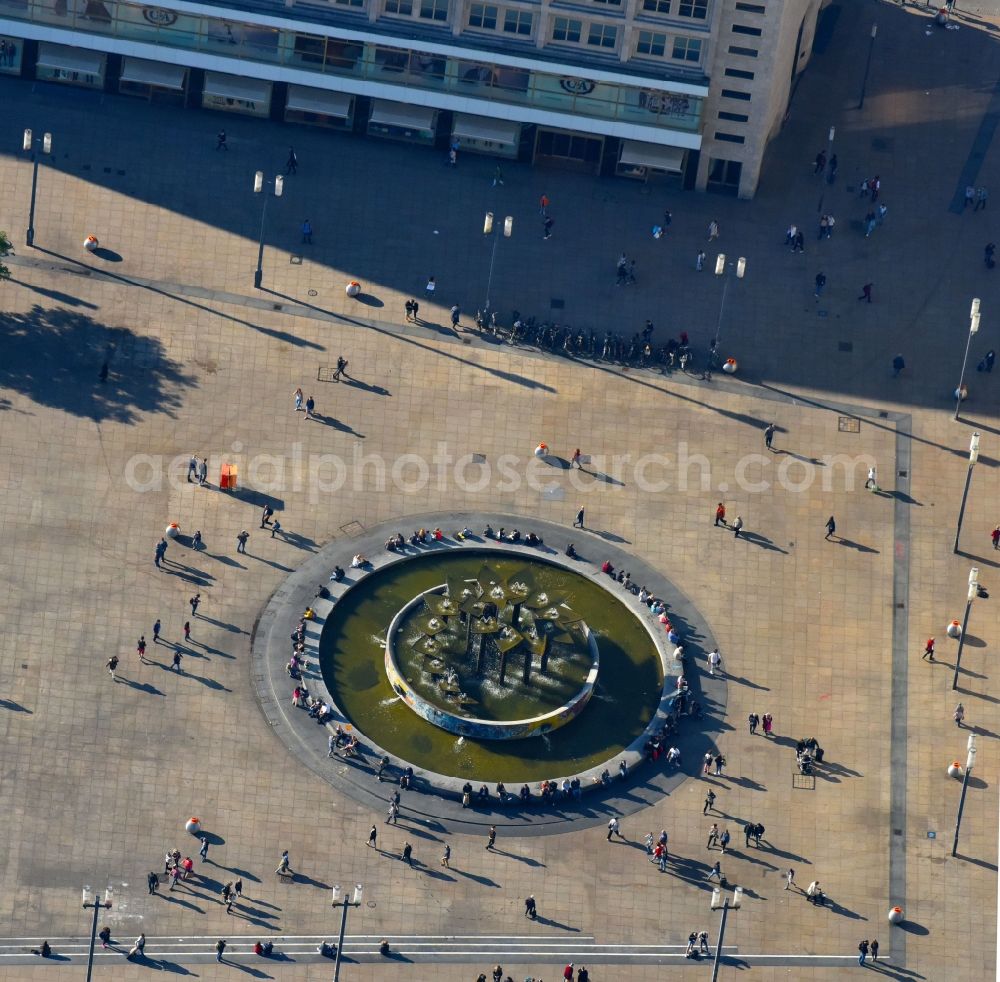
x=734, y=94
x=517, y=21
x=686, y=49
x=402, y=7
x=651, y=43
x=738, y=73
x=734, y=117
x=483, y=16
x=613, y=3
x=350, y=3
x=434, y=9
x=729, y=137
x=603, y=35
x=656, y=6
x=566, y=29
x=693, y=8
x=748, y=52
x=752, y=8
x=743, y=29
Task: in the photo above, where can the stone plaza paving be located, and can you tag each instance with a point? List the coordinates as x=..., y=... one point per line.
x=99, y=777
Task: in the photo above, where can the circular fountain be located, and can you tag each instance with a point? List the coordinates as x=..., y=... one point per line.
x=493, y=656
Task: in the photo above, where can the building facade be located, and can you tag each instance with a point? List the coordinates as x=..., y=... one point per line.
x=682, y=91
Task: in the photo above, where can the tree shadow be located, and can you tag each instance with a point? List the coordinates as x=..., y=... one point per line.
x=51, y=356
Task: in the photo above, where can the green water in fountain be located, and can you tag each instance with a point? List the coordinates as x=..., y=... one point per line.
x=352, y=661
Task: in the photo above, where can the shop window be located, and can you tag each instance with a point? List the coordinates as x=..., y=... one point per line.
x=517, y=22
x=603, y=35
x=651, y=43
x=724, y=175
x=686, y=49
x=693, y=8
x=483, y=16
x=434, y=9
x=566, y=29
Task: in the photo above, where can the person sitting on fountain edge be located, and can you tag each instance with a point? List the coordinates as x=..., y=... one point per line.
x=338, y=574
x=570, y=551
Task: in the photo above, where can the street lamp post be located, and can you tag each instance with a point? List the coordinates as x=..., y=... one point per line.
x=973, y=592
x=343, y=901
x=91, y=901
x=868, y=65
x=258, y=188
x=720, y=269
x=508, y=228
x=973, y=457
x=29, y=145
x=718, y=901
x=969, y=764
x=973, y=330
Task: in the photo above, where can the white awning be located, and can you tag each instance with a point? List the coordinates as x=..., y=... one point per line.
x=480, y=128
x=157, y=73
x=401, y=114
x=64, y=58
x=652, y=155
x=321, y=101
x=236, y=87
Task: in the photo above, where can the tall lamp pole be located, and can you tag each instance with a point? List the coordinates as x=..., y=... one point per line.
x=343, y=901
x=91, y=901
x=508, y=229
x=973, y=457
x=720, y=269
x=258, y=188
x=973, y=593
x=973, y=330
x=29, y=146
x=719, y=902
x=969, y=763
x=868, y=65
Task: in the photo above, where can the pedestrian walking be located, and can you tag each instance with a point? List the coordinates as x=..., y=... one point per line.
x=862, y=951
x=543, y=204
x=187, y=631
x=871, y=483
x=161, y=551
x=177, y=660
x=713, y=835
x=720, y=515
x=768, y=721
x=220, y=947
x=195, y=601
x=408, y=307
x=716, y=872
x=995, y=536
x=820, y=283
x=897, y=366
x=707, y=761
x=415, y=310
x=152, y=882
x=753, y=721
x=709, y=803
x=284, y=867
x=138, y=948
x=866, y=292
x=498, y=177
x=713, y=230
x=820, y=164
x=832, y=167
x=393, y=815
x=431, y=286
x=982, y=196
x=111, y=665
x=737, y=526
x=928, y=650
x=492, y=839
x=446, y=855
x=203, y=851
x=292, y=164
x=456, y=314
x=959, y=715
x=769, y=435
x=265, y=515
x=105, y=935
x=238, y=888
x=579, y=519
x=613, y=828
x=220, y=141
x=275, y=528
x=310, y=406
x=192, y=468
x=373, y=837
x=703, y=942
x=724, y=840
x=873, y=949
x=547, y=224
x=692, y=941
x=141, y=648
x=298, y=396
x=407, y=854
x=576, y=460
x=789, y=878
x=341, y=369
x=714, y=661
x=831, y=527
x=307, y=232
x=530, y=909
x=748, y=833
x=988, y=252
x=699, y=262
x=241, y=541
x=720, y=762
x=156, y=631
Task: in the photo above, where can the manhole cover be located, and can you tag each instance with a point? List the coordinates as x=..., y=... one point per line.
x=845, y=345
x=848, y=424
x=314, y=293
x=804, y=782
x=352, y=528
x=277, y=306
x=296, y=260
x=325, y=375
